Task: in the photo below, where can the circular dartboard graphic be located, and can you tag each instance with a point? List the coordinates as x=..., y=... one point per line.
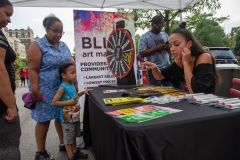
x=120, y=52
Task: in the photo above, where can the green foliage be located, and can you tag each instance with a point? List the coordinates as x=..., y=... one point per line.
x=24, y=63
x=18, y=66
x=137, y=37
x=74, y=54
x=235, y=36
x=143, y=16
x=19, y=63
x=211, y=34
x=237, y=43
x=198, y=18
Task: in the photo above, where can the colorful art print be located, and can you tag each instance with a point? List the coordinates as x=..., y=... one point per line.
x=135, y=119
x=99, y=22
x=71, y=114
x=156, y=113
x=145, y=108
x=122, y=101
x=115, y=113
x=127, y=111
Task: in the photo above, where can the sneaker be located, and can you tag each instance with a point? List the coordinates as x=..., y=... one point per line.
x=73, y=158
x=43, y=155
x=80, y=155
x=62, y=147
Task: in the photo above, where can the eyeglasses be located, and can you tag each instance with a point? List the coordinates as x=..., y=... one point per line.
x=56, y=31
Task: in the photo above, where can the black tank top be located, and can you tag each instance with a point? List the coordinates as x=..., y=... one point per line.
x=9, y=59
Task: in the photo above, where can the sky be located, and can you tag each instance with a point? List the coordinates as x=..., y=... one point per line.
x=24, y=17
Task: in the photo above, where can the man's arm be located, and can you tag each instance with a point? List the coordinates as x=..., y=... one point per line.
x=144, y=51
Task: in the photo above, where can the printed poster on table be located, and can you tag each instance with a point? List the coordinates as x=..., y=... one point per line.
x=103, y=38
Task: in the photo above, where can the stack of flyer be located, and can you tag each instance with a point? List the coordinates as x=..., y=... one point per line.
x=228, y=103
x=212, y=100
x=140, y=114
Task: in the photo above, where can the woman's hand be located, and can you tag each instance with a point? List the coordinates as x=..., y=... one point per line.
x=12, y=114
x=149, y=65
x=186, y=53
x=37, y=96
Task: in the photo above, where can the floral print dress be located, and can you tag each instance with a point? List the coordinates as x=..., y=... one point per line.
x=49, y=79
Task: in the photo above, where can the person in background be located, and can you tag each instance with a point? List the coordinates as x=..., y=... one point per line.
x=26, y=75
x=44, y=57
x=153, y=49
x=10, y=130
x=22, y=76
x=194, y=69
x=67, y=98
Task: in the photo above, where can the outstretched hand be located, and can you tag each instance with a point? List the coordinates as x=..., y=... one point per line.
x=84, y=92
x=149, y=65
x=186, y=53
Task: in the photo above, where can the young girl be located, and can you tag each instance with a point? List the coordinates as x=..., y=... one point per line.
x=67, y=97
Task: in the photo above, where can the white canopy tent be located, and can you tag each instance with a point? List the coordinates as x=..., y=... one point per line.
x=131, y=4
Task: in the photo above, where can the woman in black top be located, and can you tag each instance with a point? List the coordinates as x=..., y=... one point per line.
x=10, y=131
x=194, y=69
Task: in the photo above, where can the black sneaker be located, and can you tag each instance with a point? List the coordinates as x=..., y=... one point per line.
x=80, y=155
x=62, y=147
x=73, y=158
x=43, y=155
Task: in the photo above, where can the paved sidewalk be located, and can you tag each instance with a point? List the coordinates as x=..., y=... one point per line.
x=28, y=143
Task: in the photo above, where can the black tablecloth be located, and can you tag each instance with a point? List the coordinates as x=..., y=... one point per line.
x=196, y=133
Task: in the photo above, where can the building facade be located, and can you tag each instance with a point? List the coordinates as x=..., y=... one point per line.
x=15, y=43
x=26, y=36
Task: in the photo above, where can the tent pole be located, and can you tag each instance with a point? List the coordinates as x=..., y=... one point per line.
x=180, y=14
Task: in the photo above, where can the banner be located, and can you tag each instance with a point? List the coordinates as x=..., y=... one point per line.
x=104, y=47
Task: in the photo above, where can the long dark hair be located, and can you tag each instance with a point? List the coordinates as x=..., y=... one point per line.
x=49, y=20
x=4, y=3
x=196, y=49
x=63, y=68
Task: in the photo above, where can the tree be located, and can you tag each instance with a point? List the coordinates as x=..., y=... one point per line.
x=73, y=53
x=18, y=66
x=211, y=34
x=142, y=16
x=24, y=63
x=237, y=44
x=137, y=37
x=235, y=35
x=198, y=18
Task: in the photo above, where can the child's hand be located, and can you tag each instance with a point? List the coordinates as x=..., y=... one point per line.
x=72, y=102
x=84, y=92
